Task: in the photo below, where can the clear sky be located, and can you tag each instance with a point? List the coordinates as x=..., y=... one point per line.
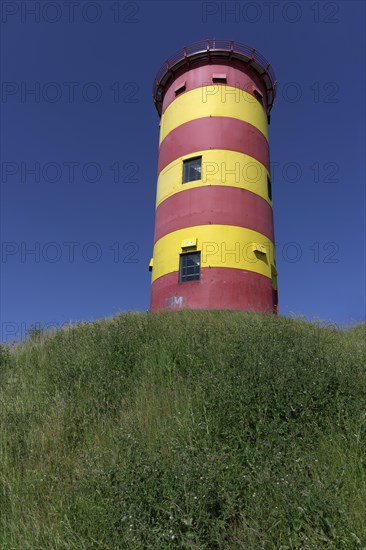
x=79, y=153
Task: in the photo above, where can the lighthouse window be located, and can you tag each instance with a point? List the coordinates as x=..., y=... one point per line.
x=269, y=187
x=180, y=88
x=189, y=267
x=192, y=169
x=219, y=77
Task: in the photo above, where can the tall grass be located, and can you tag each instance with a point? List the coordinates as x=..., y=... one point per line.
x=200, y=430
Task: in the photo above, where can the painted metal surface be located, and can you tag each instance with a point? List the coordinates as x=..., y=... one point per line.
x=219, y=167
x=219, y=205
x=214, y=103
x=220, y=246
x=224, y=102
x=214, y=133
x=218, y=288
x=203, y=76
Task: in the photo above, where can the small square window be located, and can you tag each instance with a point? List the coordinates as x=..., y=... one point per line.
x=219, y=77
x=269, y=188
x=189, y=267
x=192, y=169
x=180, y=88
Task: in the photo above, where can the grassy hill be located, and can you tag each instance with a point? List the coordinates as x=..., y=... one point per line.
x=200, y=430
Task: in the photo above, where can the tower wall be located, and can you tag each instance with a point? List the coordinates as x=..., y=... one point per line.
x=213, y=242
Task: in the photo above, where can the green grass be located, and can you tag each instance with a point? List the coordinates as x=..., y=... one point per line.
x=200, y=430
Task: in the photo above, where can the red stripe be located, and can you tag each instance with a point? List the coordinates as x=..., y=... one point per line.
x=214, y=204
x=217, y=132
x=202, y=76
x=218, y=288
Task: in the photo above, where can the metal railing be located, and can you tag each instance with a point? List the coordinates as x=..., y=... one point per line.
x=212, y=45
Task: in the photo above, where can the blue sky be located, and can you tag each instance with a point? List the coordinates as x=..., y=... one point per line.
x=89, y=132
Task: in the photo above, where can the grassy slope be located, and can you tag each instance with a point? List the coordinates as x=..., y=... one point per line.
x=189, y=430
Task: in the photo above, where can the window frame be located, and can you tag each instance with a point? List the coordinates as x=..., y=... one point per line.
x=184, y=278
x=180, y=88
x=219, y=77
x=186, y=164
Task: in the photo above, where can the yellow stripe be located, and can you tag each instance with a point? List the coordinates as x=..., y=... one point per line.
x=219, y=167
x=220, y=246
x=226, y=101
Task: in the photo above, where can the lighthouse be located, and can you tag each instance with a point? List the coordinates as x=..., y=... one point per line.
x=214, y=236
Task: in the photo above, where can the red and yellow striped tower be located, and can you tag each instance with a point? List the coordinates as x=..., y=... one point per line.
x=214, y=241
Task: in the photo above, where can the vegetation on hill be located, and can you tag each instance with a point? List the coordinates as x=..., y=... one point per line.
x=199, y=430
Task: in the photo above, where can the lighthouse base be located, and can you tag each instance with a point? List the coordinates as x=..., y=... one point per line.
x=217, y=288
